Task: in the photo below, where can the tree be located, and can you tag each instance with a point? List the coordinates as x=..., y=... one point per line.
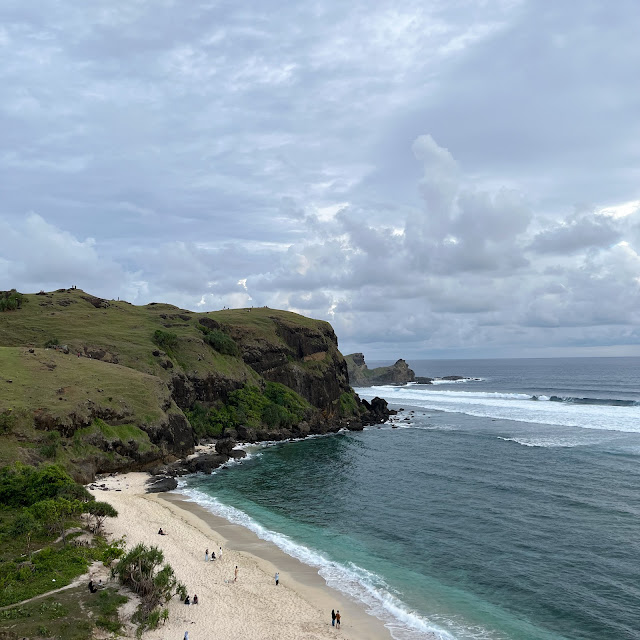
x=24, y=524
x=55, y=513
x=141, y=569
x=100, y=511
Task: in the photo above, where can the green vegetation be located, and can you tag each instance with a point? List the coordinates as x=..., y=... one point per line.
x=348, y=404
x=105, y=404
x=143, y=571
x=51, y=342
x=36, y=506
x=276, y=406
x=64, y=616
x=10, y=300
x=220, y=341
x=101, y=511
x=167, y=340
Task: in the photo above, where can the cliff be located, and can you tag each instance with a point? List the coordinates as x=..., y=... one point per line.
x=102, y=385
x=361, y=376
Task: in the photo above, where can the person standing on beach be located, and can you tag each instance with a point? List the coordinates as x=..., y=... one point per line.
x=235, y=574
x=338, y=619
x=206, y=555
x=277, y=577
x=186, y=635
x=220, y=554
x=333, y=617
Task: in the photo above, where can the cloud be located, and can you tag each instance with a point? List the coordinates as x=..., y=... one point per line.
x=433, y=178
x=585, y=230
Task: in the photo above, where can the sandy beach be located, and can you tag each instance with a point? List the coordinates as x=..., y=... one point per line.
x=251, y=608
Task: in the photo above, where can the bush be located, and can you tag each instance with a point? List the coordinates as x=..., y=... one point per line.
x=51, y=342
x=10, y=300
x=7, y=421
x=220, y=341
x=50, y=449
x=165, y=339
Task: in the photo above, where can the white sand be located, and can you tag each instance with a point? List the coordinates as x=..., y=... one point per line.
x=253, y=608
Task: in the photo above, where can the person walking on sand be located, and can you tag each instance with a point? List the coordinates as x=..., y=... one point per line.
x=206, y=555
x=220, y=554
x=235, y=574
x=277, y=577
x=338, y=619
x=186, y=635
x=333, y=617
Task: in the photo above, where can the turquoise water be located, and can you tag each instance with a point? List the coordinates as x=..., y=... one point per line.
x=484, y=514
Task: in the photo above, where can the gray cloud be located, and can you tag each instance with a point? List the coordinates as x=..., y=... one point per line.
x=433, y=178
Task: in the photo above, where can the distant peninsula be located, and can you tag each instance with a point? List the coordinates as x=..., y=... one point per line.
x=398, y=373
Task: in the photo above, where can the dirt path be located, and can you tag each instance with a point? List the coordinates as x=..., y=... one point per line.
x=96, y=570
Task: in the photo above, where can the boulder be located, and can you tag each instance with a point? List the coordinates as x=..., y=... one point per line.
x=225, y=446
x=160, y=484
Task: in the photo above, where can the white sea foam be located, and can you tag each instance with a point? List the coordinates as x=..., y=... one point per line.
x=437, y=381
x=367, y=587
x=547, y=443
x=520, y=407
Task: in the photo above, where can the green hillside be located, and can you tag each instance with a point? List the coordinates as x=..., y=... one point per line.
x=101, y=385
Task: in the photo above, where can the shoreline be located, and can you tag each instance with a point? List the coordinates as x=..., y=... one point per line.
x=300, y=607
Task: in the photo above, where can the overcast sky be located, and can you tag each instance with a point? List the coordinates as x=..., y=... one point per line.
x=437, y=178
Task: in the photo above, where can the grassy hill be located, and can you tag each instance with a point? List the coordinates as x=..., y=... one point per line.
x=101, y=385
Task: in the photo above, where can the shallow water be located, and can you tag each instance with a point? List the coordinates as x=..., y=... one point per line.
x=473, y=526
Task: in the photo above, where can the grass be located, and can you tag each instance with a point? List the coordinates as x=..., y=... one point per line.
x=69, y=615
x=127, y=331
x=135, y=390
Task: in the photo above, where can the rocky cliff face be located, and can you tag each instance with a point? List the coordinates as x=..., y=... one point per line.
x=120, y=391
x=361, y=376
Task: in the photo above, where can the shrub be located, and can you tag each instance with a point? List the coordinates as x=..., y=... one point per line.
x=50, y=449
x=10, y=300
x=51, y=342
x=220, y=341
x=7, y=421
x=165, y=339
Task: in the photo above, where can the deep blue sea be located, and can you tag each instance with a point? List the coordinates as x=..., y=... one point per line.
x=502, y=506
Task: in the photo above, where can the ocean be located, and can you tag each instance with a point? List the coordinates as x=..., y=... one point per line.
x=502, y=506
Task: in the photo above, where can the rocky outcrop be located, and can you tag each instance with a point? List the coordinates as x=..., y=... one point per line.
x=361, y=376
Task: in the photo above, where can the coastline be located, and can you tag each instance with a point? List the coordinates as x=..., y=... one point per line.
x=300, y=607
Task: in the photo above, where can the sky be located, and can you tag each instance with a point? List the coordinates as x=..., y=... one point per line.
x=436, y=178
